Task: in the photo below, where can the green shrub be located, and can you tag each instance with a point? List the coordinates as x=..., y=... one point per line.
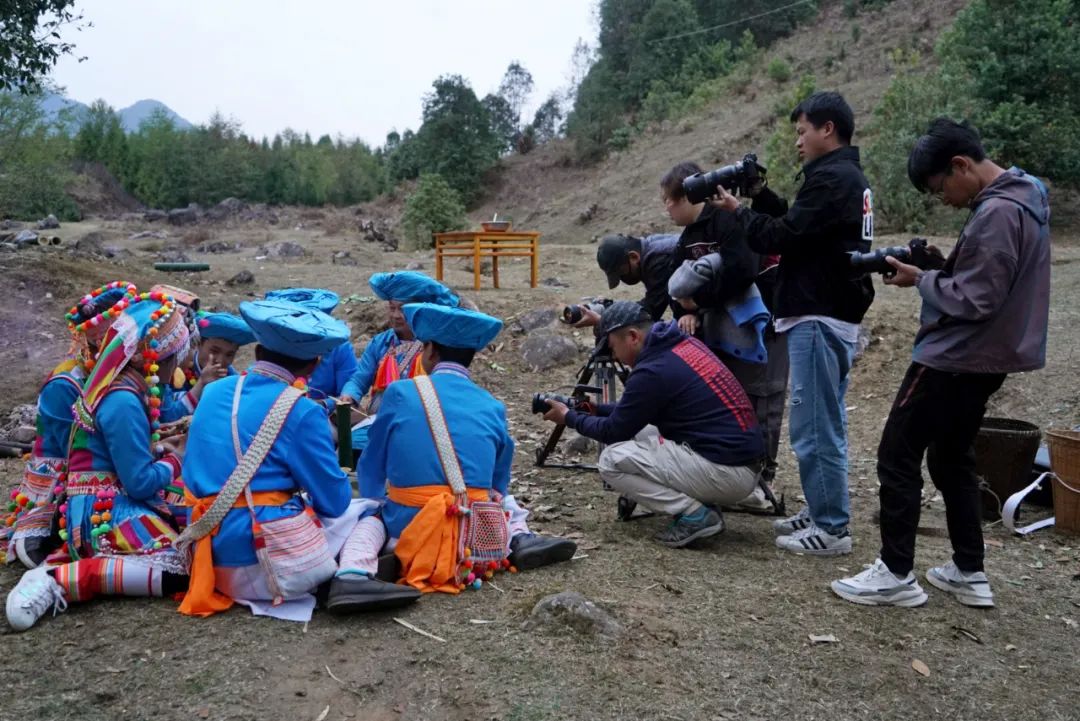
x=434, y=207
x=621, y=138
x=778, y=71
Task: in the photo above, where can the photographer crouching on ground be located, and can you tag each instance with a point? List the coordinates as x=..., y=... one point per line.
x=984, y=315
x=818, y=305
x=706, y=448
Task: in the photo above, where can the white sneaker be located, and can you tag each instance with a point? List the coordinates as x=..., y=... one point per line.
x=970, y=589
x=813, y=541
x=878, y=586
x=792, y=524
x=35, y=593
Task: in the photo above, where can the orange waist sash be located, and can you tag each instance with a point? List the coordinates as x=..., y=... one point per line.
x=428, y=547
x=201, y=598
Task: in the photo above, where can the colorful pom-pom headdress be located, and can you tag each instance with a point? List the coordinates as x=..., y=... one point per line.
x=153, y=327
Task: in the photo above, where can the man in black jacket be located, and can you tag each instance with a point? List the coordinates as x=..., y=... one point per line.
x=683, y=439
x=631, y=260
x=818, y=304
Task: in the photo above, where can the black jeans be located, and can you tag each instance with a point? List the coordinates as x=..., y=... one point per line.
x=939, y=414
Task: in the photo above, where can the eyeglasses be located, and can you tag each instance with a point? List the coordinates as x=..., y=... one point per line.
x=939, y=192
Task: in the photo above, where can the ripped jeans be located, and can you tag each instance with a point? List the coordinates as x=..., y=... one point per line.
x=817, y=420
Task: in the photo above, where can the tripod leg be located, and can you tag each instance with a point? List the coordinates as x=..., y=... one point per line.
x=553, y=440
x=778, y=505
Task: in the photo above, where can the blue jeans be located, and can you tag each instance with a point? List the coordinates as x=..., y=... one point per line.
x=817, y=420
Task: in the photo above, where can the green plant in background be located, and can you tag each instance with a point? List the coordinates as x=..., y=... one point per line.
x=434, y=207
x=781, y=157
x=35, y=160
x=778, y=70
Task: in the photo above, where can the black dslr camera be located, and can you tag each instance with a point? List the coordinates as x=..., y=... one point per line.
x=917, y=252
x=576, y=402
x=741, y=175
x=573, y=313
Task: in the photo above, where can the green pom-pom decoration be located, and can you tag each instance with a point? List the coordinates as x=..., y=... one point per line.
x=155, y=391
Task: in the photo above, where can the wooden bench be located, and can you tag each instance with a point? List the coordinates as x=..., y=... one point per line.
x=478, y=244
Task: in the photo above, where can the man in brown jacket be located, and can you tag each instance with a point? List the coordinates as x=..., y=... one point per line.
x=984, y=315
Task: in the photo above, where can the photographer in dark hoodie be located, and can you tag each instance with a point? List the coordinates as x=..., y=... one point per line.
x=818, y=305
x=984, y=315
x=683, y=439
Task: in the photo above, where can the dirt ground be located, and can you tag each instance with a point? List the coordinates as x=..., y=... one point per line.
x=719, y=632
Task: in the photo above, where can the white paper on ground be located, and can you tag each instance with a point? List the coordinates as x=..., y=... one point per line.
x=1008, y=511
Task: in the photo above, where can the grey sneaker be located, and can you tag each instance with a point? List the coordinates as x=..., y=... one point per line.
x=970, y=589
x=689, y=527
x=792, y=524
x=878, y=586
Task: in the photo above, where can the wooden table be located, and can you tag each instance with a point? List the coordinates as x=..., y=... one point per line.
x=477, y=244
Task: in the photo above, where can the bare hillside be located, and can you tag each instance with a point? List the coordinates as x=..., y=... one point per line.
x=544, y=191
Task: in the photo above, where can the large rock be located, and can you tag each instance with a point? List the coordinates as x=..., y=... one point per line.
x=570, y=610
x=344, y=257
x=226, y=209
x=219, y=246
x=546, y=350
x=49, y=222
x=92, y=243
x=9, y=224
x=184, y=216
x=284, y=249
x=24, y=238
x=21, y=416
x=154, y=215
x=23, y=434
x=534, y=319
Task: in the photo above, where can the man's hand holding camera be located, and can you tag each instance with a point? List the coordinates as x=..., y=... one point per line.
x=556, y=412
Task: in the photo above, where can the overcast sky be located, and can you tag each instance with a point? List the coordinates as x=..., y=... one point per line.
x=354, y=67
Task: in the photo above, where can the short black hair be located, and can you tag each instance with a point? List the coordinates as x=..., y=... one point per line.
x=293, y=365
x=671, y=183
x=820, y=108
x=447, y=354
x=933, y=153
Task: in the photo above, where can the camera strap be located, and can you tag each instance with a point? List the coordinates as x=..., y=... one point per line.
x=444, y=445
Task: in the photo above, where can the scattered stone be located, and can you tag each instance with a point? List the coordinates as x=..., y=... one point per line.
x=554, y=282
x=23, y=434
x=10, y=224
x=184, y=216
x=49, y=222
x=226, y=209
x=528, y=322
x=20, y=416
x=466, y=265
x=572, y=610
x=588, y=214
x=344, y=257
x=284, y=249
x=115, y=251
x=92, y=243
x=544, y=350
x=154, y=215
x=414, y=265
x=377, y=232
x=244, y=277
x=173, y=255
x=580, y=444
x=156, y=234
x=8, y=247
x=219, y=246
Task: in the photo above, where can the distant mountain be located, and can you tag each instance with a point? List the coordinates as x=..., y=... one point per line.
x=130, y=117
x=133, y=116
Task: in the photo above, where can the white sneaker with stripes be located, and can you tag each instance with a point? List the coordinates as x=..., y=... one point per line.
x=878, y=586
x=814, y=541
x=970, y=589
x=791, y=524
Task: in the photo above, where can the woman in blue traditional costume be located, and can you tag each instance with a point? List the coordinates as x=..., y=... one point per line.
x=337, y=366
x=439, y=446
x=394, y=354
x=300, y=458
x=31, y=508
x=220, y=336
x=118, y=516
